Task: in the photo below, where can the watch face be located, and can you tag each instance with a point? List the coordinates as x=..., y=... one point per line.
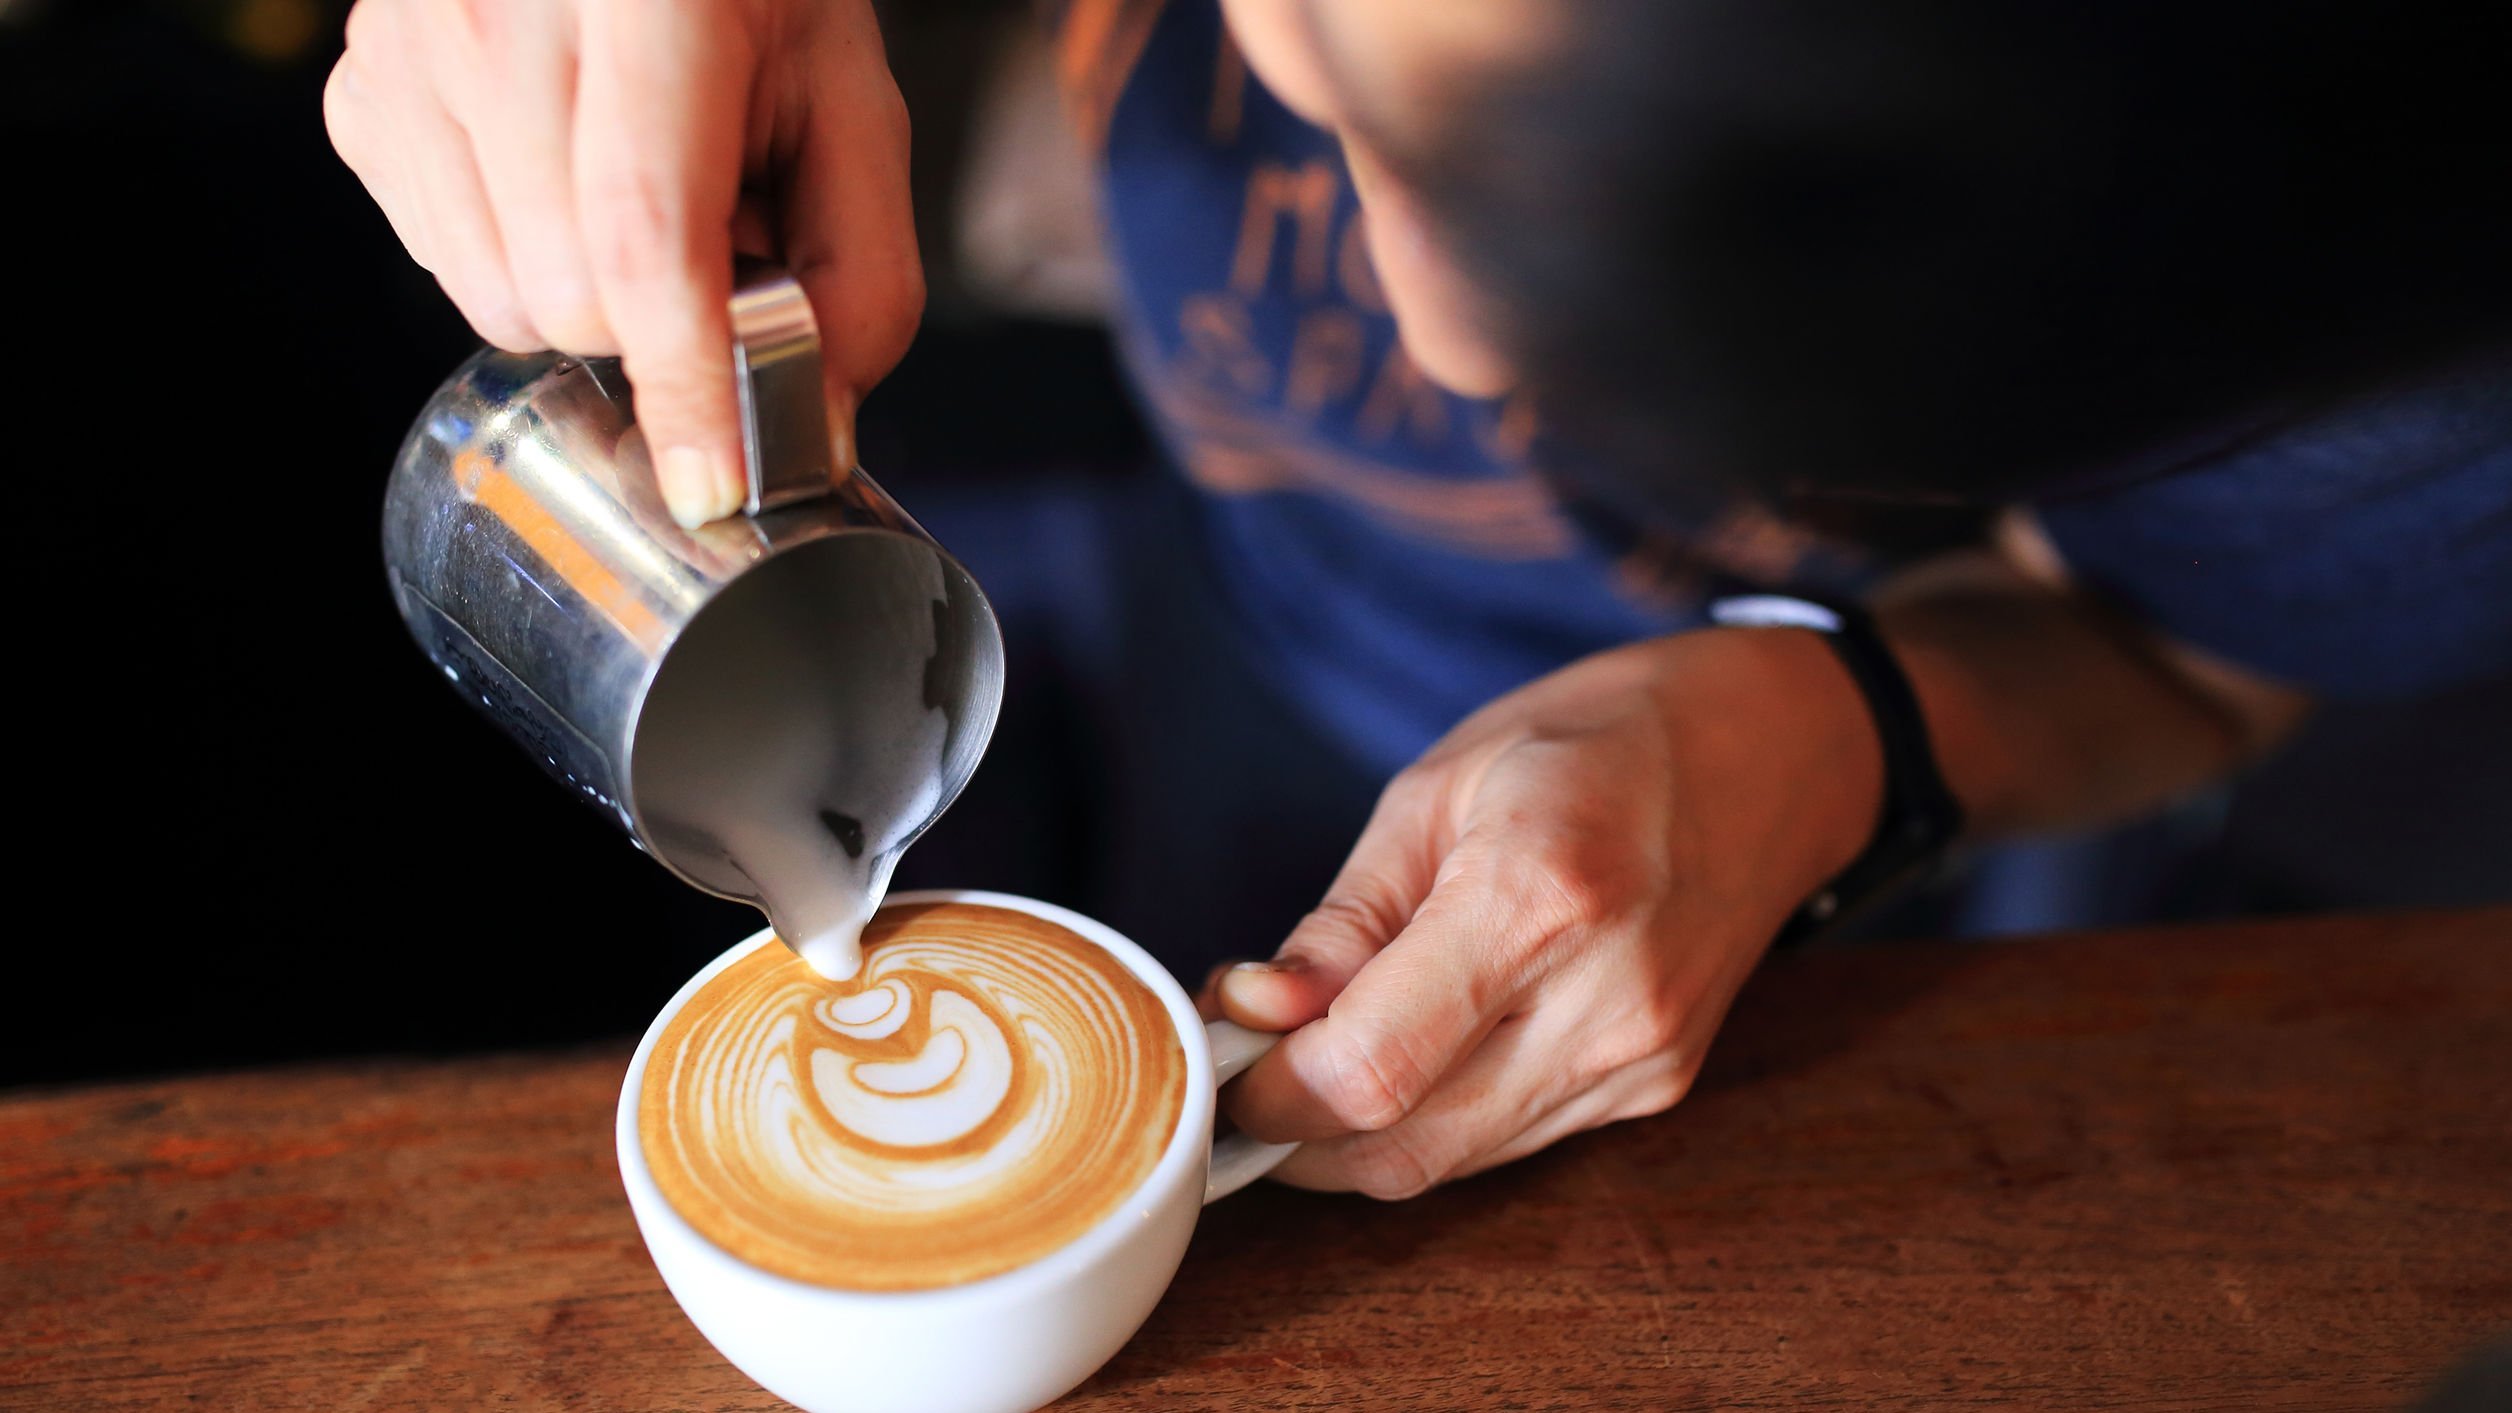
x=1773, y=611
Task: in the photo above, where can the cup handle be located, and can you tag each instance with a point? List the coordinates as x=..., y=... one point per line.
x=1237, y=1159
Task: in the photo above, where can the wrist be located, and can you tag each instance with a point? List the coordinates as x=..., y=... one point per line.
x=1776, y=732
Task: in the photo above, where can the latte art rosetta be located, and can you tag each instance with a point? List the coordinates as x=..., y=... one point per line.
x=987, y=1088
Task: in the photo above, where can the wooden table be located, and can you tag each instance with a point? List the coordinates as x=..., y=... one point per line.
x=2261, y=1166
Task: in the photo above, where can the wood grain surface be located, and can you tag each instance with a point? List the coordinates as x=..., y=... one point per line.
x=2257, y=1166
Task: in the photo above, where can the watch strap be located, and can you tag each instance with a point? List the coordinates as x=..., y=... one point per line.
x=1919, y=818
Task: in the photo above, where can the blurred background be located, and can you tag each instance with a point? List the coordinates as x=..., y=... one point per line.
x=253, y=811
x=256, y=827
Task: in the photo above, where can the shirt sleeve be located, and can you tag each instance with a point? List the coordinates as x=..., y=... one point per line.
x=2362, y=554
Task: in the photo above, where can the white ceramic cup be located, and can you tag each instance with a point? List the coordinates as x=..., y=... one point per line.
x=1006, y=1344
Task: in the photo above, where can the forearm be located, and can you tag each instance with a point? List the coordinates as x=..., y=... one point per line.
x=2044, y=712
x=2048, y=713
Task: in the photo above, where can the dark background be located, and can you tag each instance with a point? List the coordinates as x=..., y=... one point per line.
x=254, y=825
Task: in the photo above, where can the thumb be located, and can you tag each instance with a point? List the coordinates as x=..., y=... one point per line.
x=1386, y=877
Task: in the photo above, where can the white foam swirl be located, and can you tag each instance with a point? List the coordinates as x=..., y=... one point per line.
x=941, y=1094
x=987, y=1087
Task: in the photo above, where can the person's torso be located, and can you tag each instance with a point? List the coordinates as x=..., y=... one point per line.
x=1389, y=547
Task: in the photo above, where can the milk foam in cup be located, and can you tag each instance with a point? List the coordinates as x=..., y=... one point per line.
x=986, y=1088
x=1005, y=1342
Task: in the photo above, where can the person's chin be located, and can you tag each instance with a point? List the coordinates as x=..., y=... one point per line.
x=1461, y=366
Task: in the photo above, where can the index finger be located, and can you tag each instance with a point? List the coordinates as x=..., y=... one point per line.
x=1392, y=868
x=662, y=100
x=1402, y=1024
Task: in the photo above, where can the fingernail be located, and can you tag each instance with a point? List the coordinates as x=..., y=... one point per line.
x=1279, y=966
x=842, y=434
x=696, y=489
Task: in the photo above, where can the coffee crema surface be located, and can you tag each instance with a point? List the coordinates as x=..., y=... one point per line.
x=985, y=1090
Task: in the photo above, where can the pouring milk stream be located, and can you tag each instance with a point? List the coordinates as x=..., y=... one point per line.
x=814, y=813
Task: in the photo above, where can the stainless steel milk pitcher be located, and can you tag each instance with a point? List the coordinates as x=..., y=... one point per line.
x=807, y=660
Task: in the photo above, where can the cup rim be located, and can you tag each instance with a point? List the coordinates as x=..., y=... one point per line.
x=1187, y=1144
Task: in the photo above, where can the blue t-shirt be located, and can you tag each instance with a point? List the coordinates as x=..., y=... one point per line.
x=2364, y=552
x=1395, y=559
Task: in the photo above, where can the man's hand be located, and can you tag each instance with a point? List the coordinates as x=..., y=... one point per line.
x=1548, y=915
x=1546, y=918
x=578, y=173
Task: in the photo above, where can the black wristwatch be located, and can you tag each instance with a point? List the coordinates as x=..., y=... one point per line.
x=1919, y=820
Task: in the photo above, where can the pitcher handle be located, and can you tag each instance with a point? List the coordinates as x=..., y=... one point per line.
x=786, y=447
